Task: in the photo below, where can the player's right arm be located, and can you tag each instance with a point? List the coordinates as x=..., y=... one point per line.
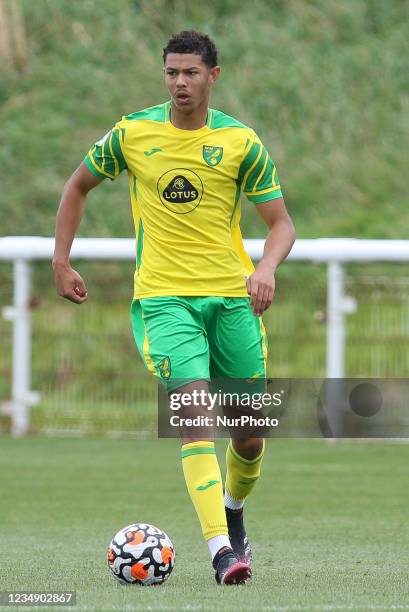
x=104, y=160
x=69, y=283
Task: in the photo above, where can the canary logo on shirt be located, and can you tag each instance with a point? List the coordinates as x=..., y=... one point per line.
x=212, y=155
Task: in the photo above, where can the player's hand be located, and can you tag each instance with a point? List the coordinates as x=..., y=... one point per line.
x=69, y=283
x=260, y=287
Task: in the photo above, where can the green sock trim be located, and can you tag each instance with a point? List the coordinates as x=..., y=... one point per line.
x=199, y=450
x=242, y=459
x=248, y=481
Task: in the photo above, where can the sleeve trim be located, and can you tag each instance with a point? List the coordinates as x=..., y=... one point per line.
x=92, y=167
x=262, y=191
x=272, y=194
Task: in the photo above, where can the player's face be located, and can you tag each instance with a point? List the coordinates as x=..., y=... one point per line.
x=189, y=80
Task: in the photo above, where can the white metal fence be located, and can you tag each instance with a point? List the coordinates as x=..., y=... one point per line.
x=334, y=252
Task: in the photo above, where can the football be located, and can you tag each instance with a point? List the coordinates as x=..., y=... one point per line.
x=141, y=554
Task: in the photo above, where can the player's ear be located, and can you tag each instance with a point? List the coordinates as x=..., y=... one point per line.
x=214, y=73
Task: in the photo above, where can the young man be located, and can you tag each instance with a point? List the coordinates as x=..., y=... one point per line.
x=191, y=314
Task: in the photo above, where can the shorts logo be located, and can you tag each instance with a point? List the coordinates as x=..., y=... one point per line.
x=180, y=190
x=212, y=155
x=164, y=368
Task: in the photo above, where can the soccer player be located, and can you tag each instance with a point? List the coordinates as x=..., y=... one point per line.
x=198, y=300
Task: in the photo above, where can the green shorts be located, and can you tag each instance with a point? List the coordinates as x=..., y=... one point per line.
x=199, y=338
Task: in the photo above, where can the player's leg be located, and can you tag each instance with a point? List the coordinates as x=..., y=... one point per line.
x=243, y=462
x=204, y=483
x=242, y=475
x=201, y=470
x=172, y=342
x=238, y=351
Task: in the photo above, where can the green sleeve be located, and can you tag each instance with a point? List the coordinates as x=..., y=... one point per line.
x=106, y=158
x=257, y=174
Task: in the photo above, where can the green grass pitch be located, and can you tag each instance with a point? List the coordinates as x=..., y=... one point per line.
x=328, y=524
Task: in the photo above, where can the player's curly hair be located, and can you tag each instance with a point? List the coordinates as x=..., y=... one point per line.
x=190, y=41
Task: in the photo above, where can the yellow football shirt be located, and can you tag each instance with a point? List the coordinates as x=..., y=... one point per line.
x=185, y=190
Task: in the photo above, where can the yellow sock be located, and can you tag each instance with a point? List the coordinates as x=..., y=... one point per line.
x=242, y=474
x=204, y=483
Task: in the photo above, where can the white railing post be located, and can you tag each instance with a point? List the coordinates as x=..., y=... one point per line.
x=338, y=305
x=335, y=321
x=21, y=349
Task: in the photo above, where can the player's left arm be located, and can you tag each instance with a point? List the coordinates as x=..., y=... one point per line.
x=280, y=239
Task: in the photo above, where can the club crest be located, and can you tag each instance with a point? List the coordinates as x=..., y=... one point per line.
x=164, y=368
x=212, y=155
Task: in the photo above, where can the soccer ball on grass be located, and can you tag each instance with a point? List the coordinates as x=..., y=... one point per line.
x=141, y=554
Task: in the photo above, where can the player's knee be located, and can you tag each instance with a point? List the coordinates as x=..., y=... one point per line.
x=249, y=448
